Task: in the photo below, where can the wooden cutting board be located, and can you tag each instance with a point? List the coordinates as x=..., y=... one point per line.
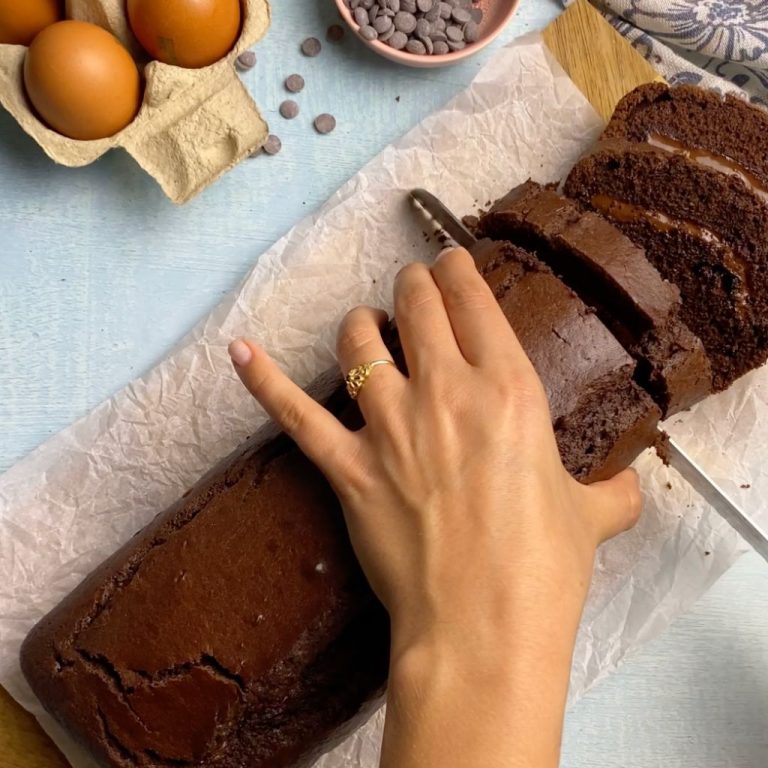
x=604, y=66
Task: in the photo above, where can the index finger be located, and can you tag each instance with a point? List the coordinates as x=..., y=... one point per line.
x=319, y=434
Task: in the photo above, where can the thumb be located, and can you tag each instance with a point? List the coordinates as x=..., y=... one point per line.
x=613, y=505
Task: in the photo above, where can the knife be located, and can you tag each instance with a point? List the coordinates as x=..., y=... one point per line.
x=450, y=227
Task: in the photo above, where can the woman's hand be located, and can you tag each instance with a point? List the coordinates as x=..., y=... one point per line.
x=471, y=532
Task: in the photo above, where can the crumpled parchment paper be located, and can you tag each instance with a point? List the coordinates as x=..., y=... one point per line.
x=73, y=501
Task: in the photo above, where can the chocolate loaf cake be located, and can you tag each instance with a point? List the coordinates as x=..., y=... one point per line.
x=683, y=173
x=237, y=629
x=612, y=275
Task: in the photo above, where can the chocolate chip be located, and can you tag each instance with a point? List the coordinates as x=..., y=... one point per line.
x=416, y=47
x=245, y=61
x=384, y=36
x=325, y=123
x=294, y=83
x=398, y=41
x=461, y=15
x=311, y=47
x=382, y=24
x=361, y=16
x=471, y=32
x=441, y=48
x=457, y=45
x=409, y=6
x=272, y=145
x=405, y=22
x=445, y=10
x=289, y=109
x=476, y=14
x=454, y=34
x=423, y=28
x=368, y=33
x=335, y=33
x=425, y=6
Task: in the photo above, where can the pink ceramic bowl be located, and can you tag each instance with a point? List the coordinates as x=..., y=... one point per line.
x=496, y=14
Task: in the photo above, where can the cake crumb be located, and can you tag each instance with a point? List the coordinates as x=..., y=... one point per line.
x=669, y=485
x=707, y=553
x=745, y=485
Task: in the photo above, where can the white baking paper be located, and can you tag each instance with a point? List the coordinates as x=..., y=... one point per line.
x=74, y=500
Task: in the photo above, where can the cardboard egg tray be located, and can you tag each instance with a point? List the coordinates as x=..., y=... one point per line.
x=194, y=124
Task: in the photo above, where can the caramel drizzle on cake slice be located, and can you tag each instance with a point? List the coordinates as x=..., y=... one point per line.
x=629, y=213
x=707, y=159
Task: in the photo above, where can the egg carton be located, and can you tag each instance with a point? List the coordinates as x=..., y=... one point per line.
x=193, y=125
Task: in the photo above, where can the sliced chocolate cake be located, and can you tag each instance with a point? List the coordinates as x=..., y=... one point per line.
x=612, y=275
x=703, y=229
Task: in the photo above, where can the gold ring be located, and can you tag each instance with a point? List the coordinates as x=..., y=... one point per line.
x=357, y=377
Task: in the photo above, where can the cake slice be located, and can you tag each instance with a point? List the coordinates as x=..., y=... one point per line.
x=612, y=275
x=723, y=133
x=237, y=629
x=703, y=229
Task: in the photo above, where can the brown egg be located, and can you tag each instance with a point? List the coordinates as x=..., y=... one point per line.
x=21, y=20
x=81, y=80
x=186, y=33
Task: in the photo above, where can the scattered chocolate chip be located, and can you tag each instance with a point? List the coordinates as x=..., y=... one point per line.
x=272, y=145
x=311, y=47
x=335, y=33
x=325, y=123
x=245, y=61
x=289, y=109
x=294, y=83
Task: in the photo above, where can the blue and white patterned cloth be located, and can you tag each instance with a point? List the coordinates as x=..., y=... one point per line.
x=720, y=44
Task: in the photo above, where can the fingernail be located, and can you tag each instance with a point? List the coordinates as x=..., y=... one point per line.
x=240, y=353
x=444, y=251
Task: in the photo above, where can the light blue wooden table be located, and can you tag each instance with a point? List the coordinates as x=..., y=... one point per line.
x=100, y=275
